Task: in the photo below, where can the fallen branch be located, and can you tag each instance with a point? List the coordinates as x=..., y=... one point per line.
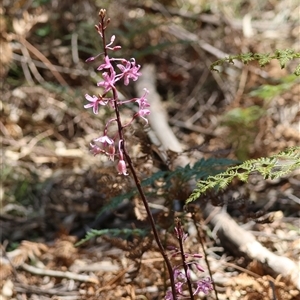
x=25, y=288
x=60, y=274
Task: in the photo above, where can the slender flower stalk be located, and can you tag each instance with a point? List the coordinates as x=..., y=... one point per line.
x=183, y=278
x=106, y=144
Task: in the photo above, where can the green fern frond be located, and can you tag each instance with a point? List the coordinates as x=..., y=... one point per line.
x=155, y=177
x=270, y=167
x=268, y=91
x=297, y=70
x=263, y=58
x=201, y=170
x=283, y=56
x=125, y=233
x=245, y=57
x=115, y=202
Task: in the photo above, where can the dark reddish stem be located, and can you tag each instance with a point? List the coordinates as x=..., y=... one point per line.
x=183, y=258
x=133, y=171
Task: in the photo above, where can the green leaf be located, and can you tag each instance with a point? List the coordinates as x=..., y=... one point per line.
x=43, y=31
x=263, y=59
x=115, y=202
x=268, y=92
x=297, y=71
x=284, y=56
x=270, y=167
x=125, y=232
x=246, y=57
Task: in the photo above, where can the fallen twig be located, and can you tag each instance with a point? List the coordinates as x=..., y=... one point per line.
x=24, y=288
x=43, y=58
x=60, y=274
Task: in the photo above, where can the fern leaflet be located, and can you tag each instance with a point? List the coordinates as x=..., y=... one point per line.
x=270, y=167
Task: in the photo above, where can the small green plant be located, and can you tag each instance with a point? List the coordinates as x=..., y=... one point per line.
x=243, y=128
x=271, y=167
x=283, y=56
x=268, y=92
x=125, y=233
x=161, y=183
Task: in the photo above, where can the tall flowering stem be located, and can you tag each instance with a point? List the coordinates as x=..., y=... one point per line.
x=181, y=236
x=188, y=263
x=114, y=146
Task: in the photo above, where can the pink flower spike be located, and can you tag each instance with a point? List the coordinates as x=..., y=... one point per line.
x=112, y=39
x=104, y=139
x=188, y=274
x=169, y=296
x=199, y=268
x=115, y=48
x=95, y=149
x=93, y=57
x=108, y=82
x=90, y=59
x=142, y=113
x=95, y=102
x=204, y=286
x=120, y=150
x=111, y=152
x=143, y=102
x=122, y=167
x=129, y=71
x=106, y=65
x=185, y=236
